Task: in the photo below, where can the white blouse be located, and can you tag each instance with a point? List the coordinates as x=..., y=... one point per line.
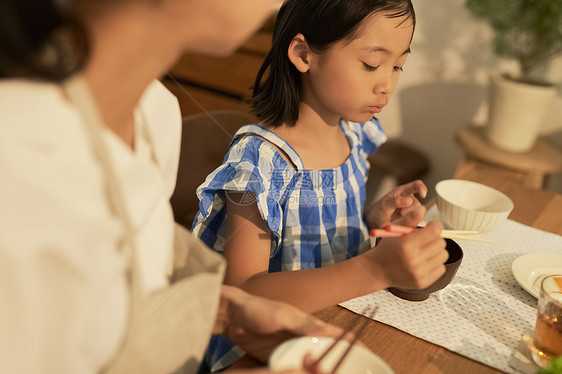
x=63, y=291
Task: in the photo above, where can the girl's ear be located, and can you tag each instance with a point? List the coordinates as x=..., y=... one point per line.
x=299, y=53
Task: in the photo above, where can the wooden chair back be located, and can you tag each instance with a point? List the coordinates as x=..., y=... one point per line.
x=204, y=143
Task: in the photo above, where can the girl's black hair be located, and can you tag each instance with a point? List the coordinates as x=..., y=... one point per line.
x=323, y=23
x=32, y=44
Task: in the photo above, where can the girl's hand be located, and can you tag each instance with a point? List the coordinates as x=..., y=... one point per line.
x=258, y=325
x=399, y=206
x=413, y=261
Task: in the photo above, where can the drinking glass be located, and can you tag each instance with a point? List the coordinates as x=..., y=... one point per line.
x=547, y=340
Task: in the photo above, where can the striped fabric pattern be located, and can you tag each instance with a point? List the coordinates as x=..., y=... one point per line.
x=315, y=216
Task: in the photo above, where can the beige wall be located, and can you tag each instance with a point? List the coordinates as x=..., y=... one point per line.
x=444, y=84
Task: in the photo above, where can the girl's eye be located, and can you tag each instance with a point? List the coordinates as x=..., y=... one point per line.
x=398, y=68
x=369, y=67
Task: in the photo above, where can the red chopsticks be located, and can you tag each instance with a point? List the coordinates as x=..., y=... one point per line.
x=391, y=231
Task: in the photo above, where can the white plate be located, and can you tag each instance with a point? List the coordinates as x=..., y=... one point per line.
x=290, y=354
x=530, y=270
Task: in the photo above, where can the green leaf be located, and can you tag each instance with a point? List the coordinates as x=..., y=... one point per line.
x=553, y=367
x=527, y=30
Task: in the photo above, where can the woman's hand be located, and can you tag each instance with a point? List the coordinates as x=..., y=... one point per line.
x=399, y=206
x=258, y=325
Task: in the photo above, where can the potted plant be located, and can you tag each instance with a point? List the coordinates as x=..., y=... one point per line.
x=553, y=367
x=531, y=32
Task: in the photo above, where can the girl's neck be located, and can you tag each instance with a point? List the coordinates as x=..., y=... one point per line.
x=311, y=126
x=317, y=139
x=314, y=122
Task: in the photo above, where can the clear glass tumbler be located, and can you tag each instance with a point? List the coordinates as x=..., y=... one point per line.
x=547, y=339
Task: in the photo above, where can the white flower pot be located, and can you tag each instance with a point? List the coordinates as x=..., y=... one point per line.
x=516, y=113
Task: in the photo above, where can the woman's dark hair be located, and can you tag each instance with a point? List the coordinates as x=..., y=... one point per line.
x=32, y=44
x=323, y=23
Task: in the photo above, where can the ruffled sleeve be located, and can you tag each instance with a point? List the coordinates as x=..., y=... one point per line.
x=371, y=136
x=254, y=166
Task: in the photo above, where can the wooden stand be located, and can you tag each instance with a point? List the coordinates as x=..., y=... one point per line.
x=529, y=168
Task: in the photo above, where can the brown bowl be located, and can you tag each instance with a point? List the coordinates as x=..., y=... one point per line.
x=451, y=266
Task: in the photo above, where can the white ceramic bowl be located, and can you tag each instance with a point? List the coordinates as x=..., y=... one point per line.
x=290, y=354
x=466, y=205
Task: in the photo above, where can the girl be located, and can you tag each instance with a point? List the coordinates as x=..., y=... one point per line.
x=286, y=207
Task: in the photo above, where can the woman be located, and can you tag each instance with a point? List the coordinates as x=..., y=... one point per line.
x=88, y=158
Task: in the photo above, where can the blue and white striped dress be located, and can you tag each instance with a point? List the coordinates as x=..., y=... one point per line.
x=315, y=216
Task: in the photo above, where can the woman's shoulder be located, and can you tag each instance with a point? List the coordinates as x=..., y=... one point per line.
x=162, y=114
x=27, y=105
x=157, y=101
x=12, y=90
x=37, y=116
x=163, y=121
x=39, y=133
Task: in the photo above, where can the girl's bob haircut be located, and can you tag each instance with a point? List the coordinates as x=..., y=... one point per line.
x=323, y=23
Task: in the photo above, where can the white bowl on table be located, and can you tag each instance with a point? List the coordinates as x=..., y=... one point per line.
x=290, y=355
x=466, y=205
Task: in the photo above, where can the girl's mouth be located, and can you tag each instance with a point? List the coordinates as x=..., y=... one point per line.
x=375, y=108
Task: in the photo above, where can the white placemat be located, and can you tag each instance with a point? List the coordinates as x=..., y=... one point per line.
x=483, y=312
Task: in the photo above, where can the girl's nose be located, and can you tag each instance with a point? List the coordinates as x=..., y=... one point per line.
x=386, y=86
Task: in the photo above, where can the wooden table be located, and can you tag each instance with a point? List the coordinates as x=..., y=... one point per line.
x=408, y=354
x=531, y=168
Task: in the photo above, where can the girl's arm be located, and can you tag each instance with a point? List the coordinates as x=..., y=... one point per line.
x=413, y=261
